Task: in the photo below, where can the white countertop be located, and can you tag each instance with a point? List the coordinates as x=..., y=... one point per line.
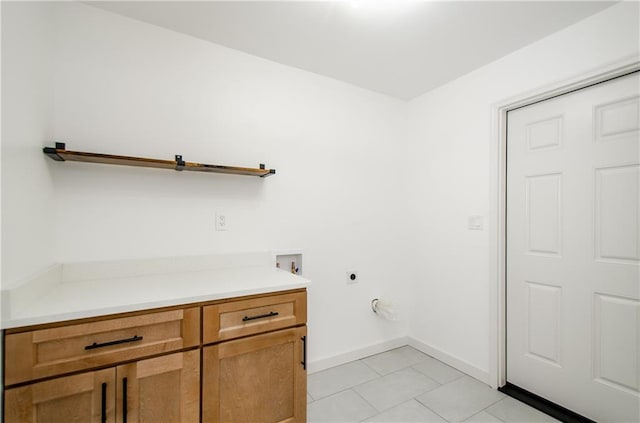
x=137, y=285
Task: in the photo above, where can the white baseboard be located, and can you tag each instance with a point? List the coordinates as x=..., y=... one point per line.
x=360, y=353
x=336, y=360
x=455, y=362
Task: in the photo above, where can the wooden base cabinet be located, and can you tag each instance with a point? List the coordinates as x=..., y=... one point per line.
x=232, y=360
x=155, y=390
x=261, y=378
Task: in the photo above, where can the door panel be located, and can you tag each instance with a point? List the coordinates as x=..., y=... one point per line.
x=617, y=214
x=256, y=379
x=544, y=214
x=615, y=342
x=543, y=321
x=162, y=389
x=88, y=397
x=573, y=250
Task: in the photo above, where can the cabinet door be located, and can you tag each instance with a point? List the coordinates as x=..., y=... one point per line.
x=256, y=379
x=162, y=389
x=87, y=397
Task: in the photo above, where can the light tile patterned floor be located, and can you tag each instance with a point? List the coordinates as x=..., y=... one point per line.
x=405, y=385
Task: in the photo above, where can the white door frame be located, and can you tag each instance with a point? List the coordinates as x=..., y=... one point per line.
x=497, y=216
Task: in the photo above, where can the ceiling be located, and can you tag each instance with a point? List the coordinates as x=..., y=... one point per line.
x=399, y=48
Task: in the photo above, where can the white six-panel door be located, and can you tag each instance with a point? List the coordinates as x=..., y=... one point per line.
x=573, y=250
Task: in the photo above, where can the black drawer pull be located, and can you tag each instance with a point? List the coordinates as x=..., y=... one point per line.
x=107, y=344
x=262, y=316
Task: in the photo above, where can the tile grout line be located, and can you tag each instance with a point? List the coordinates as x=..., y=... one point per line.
x=372, y=369
x=411, y=366
x=346, y=389
x=485, y=410
x=412, y=398
x=415, y=398
x=372, y=406
x=380, y=376
x=491, y=405
x=433, y=411
x=444, y=384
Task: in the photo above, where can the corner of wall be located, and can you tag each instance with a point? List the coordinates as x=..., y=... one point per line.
x=27, y=200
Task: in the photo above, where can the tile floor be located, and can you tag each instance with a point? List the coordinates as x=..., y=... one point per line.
x=405, y=385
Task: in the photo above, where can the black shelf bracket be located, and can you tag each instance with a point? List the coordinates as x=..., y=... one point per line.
x=180, y=164
x=53, y=153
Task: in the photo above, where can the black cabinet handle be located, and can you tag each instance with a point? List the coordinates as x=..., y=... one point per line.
x=103, y=405
x=119, y=341
x=124, y=400
x=304, y=352
x=262, y=316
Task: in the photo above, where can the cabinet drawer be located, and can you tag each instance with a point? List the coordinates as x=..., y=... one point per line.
x=54, y=351
x=247, y=317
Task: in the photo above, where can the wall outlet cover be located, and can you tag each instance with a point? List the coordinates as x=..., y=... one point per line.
x=475, y=223
x=222, y=222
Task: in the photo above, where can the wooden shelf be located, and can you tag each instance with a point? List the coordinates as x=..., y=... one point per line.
x=60, y=153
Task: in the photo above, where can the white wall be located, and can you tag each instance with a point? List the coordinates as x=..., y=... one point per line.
x=361, y=184
x=449, y=152
x=125, y=87
x=28, y=214
x=27, y=195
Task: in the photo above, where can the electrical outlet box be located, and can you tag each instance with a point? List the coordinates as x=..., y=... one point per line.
x=222, y=222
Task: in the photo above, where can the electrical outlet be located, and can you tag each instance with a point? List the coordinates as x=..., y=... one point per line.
x=352, y=277
x=475, y=223
x=222, y=222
